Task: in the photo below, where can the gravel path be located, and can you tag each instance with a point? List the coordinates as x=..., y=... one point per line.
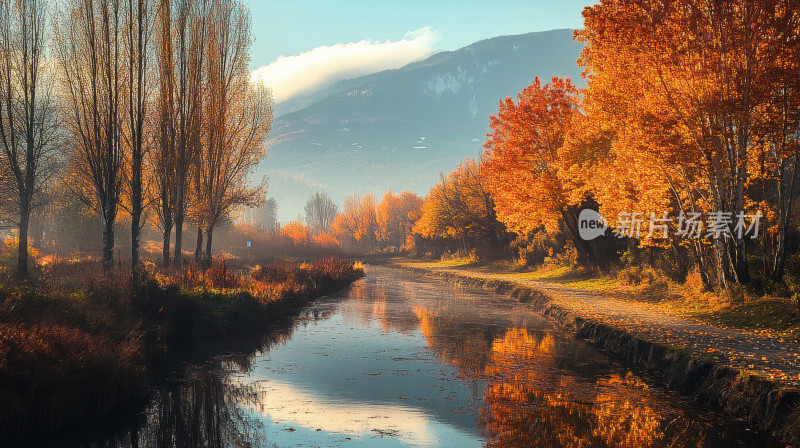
x=747, y=349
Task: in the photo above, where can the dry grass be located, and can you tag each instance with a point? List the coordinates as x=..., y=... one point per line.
x=75, y=342
x=265, y=282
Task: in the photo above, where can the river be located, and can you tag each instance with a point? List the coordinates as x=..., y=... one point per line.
x=399, y=360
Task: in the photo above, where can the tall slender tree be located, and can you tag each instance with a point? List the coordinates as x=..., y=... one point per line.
x=320, y=211
x=138, y=28
x=89, y=38
x=161, y=160
x=28, y=113
x=192, y=35
x=181, y=39
x=237, y=117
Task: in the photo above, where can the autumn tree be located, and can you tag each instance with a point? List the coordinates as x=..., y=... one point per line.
x=138, y=28
x=396, y=215
x=777, y=127
x=345, y=224
x=524, y=158
x=180, y=40
x=237, y=115
x=357, y=222
x=29, y=129
x=102, y=49
x=89, y=41
x=298, y=233
x=320, y=211
x=692, y=118
x=461, y=208
x=367, y=224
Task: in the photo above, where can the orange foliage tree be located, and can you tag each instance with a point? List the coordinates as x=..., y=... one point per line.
x=358, y=223
x=523, y=164
x=712, y=108
x=237, y=118
x=396, y=215
x=325, y=239
x=297, y=232
x=461, y=208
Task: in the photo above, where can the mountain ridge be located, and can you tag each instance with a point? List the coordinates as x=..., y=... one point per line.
x=398, y=128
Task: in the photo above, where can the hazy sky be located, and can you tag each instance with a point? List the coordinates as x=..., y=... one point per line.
x=305, y=44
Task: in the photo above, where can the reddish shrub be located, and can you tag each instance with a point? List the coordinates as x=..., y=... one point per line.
x=220, y=275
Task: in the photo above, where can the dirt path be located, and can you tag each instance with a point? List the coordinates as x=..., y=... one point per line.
x=743, y=348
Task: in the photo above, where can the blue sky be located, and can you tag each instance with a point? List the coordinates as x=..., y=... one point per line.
x=323, y=41
x=292, y=27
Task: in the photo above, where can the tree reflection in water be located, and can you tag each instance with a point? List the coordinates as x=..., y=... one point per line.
x=206, y=408
x=547, y=392
x=204, y=411
x=534, y=386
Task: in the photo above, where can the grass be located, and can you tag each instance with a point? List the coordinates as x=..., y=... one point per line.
x=76, y=343
x=773, y=315
x=767, y=313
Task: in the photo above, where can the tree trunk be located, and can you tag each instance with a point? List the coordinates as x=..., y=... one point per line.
x=22, y=254
x=207, y=258
x=740, y=263
x=136, y=216
x=178, y=233
x=586, y=255
x=136, y=206
x=784, y=213
x=198, y=248
x=108, y=244
x=702, y=266
x=722, y=262
x=165, y=245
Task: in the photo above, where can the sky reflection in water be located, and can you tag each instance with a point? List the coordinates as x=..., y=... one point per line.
x=401, y=361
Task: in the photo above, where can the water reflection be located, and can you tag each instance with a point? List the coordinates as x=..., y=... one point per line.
x=205, y=411
x=402, y=361
x=547, y=392
x=304, y=409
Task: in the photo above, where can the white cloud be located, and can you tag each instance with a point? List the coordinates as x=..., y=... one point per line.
x=322, y=66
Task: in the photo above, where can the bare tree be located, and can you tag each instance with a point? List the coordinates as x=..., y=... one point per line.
x=181, y=35
x=237, y=117
x=137, y=38
x=264, y=217
x=320, y=211
x=28, y=114
x=89, y=45
x=191, y=64
x=161, y=161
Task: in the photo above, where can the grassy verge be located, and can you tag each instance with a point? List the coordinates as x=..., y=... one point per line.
x=75, y=344
x=772, y=315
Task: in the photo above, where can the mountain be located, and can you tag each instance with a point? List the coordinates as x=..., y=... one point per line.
x=398, y=129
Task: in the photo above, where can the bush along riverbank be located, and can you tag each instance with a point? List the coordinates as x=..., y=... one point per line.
x=764, y=403
x=77, y=344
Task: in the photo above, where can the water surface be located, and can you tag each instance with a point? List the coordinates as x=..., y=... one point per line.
x=398, y=360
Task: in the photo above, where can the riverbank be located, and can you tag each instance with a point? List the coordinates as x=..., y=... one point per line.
x=741, y=372
x=71, y=351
